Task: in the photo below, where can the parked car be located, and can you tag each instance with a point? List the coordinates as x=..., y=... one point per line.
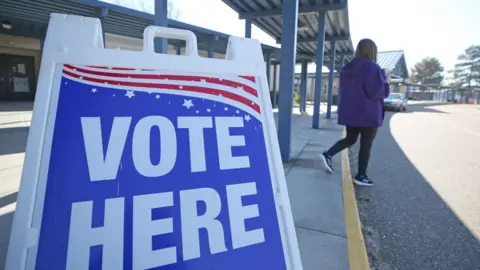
x=395, y=101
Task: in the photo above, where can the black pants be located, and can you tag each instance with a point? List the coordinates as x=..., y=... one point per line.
x=367, y=135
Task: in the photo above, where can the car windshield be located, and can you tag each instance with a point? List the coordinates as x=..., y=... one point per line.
x=395, y=96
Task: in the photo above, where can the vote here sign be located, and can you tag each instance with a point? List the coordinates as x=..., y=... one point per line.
x=157, y=170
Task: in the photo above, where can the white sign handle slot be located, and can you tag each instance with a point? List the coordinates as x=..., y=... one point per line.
x=151, y=32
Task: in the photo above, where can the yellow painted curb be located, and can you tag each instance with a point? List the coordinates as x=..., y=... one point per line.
x=357, y=252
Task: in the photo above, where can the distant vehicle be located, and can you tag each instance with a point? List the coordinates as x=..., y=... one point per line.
x=395, y=101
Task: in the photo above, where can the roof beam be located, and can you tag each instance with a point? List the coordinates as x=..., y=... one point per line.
x=314, y=39
x=326, y=54
x=301, y=10
x=311, y=59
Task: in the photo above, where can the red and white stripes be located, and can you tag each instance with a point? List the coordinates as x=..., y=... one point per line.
x=240, y=89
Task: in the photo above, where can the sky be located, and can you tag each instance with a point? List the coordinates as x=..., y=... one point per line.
x=422, y=28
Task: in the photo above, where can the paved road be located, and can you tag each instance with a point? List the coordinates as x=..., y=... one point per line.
x=424, y=211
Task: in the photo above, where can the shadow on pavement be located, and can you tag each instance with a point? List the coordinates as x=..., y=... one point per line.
x=406, y=224
x=5, y=228
x=412, y=108
x=13, y=140
x=8, y=199
x=6, y=220
x=418, y=108
x=15, y=106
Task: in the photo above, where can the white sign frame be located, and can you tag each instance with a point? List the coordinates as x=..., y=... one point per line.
x=79, y=40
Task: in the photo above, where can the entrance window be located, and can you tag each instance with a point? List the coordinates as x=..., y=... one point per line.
x=17, y=77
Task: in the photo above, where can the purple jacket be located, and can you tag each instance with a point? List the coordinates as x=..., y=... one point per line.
x=363, y=87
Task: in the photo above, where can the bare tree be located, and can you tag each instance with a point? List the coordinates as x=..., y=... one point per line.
x=173, y=13
x=149, y=7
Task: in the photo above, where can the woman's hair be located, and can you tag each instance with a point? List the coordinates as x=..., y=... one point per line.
x=366, y=48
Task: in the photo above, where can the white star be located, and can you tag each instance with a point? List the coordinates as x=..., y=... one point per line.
x=94, y=90
x=208, y=110
x=157, y=96
x=247, y=118
x=237, y=111
x=66, y=83
x=196, y=111
x=226, y=109
x=130, y=94
x=187, y=103
x=113, y=95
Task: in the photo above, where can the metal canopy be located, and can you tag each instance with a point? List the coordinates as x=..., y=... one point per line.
x=267, y=15
x=30, y=19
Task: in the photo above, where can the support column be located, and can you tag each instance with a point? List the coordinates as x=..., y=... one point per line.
x=161, y=19
x=42, y=44
x=287, y=70
x=268, y=67
x=248, y=28
x=341, y=64
x=331, y=78
x=274, y=98
x=303, y=87
x=102, y=14
x=210, y=49
x=318, y=73
x=178, y=50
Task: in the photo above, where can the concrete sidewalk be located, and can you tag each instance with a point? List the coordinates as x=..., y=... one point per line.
x=316, y=197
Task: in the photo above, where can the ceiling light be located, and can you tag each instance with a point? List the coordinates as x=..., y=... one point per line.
x=303, y=29
x=6, y=25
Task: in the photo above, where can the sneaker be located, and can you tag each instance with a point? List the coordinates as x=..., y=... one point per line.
x=363, y=180
x=326, y=162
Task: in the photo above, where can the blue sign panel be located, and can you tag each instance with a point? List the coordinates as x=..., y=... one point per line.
x=143, y=176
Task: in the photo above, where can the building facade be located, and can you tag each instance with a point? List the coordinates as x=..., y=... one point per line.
x=24, y=25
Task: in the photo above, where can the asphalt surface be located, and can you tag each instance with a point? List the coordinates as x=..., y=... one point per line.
x=424, y=210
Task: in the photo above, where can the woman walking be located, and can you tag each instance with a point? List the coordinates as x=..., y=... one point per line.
x=364, y=85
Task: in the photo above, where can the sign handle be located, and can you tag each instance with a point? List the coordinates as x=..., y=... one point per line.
x=151, y=32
